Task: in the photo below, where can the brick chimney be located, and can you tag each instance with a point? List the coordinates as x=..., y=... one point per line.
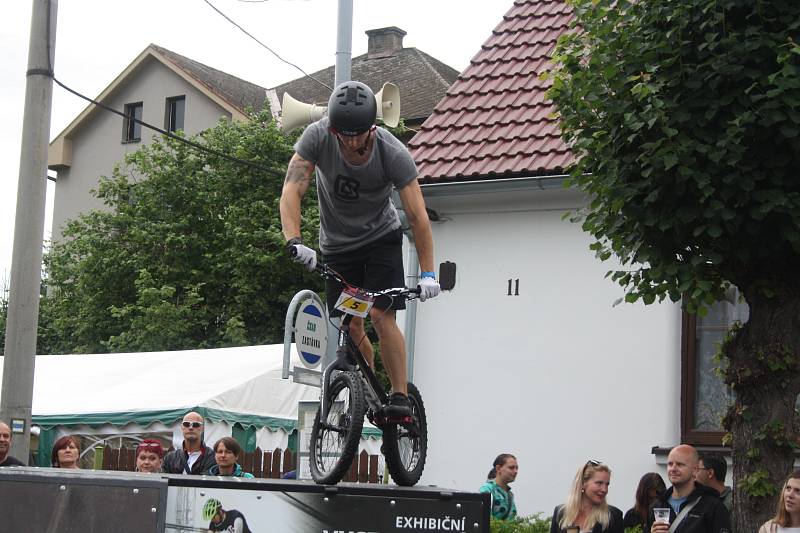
x=384, y=42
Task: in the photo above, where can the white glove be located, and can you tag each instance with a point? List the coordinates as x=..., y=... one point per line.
x=429, y=288
x=305, y=255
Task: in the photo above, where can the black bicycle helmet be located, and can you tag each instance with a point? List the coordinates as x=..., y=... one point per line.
x=352, y=108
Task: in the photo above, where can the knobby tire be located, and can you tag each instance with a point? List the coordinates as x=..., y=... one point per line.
x=406, y=449
x=332, y=449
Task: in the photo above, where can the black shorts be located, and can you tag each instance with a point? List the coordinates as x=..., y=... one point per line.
x=375, y=266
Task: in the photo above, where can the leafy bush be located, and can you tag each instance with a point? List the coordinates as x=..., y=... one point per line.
x=535, y=523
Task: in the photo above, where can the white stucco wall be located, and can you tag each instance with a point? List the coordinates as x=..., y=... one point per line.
x=97, y=143
x=555, y=375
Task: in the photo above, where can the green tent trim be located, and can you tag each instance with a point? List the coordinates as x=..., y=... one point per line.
x=167, y=417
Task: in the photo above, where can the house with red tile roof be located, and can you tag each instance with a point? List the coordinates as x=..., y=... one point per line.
x=529, y=353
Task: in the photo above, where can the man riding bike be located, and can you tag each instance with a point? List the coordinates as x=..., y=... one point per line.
x=357, y=165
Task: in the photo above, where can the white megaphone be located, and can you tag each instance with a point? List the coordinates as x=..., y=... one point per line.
x=295, y=114
x=388, y=100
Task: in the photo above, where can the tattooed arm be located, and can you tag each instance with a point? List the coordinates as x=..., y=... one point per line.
x=298, y=177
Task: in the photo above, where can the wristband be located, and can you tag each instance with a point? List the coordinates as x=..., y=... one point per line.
x=294, y=240
x=428, y=275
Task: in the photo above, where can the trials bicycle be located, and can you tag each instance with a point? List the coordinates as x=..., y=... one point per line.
x=351, y=391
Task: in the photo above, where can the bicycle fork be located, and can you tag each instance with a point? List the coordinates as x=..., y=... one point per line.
x=342, y=364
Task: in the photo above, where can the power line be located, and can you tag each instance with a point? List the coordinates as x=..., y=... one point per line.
x=169, y=134
x=226, y=17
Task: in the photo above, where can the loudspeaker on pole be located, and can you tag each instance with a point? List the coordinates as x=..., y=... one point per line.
x=296, y=114
x=388, y=100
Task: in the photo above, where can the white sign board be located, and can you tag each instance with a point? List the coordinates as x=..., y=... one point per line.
x=310, y=333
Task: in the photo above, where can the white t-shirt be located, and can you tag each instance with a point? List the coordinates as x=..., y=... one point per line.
x=193, y=456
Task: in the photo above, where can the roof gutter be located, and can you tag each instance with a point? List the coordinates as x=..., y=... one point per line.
x=543, y=183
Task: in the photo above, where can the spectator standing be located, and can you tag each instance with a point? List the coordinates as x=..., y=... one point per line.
x=149, y=456
x=226, y=453
x=5, y=447
x=711, y=472
x=66, y=453
x=651, y=487
x=586, y=508
x=694, y=508
x=787, y=515
x=504, y=471
x=194, y=457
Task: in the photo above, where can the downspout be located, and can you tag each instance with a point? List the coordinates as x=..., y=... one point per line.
x=410, y=328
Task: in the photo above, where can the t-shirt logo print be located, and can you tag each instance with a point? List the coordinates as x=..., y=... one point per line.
x=346, y=188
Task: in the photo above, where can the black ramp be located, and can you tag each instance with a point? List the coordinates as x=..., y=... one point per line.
x=50, y=501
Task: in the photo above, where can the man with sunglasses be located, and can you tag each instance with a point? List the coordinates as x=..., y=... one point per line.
x=194, y=457
x=358, y=165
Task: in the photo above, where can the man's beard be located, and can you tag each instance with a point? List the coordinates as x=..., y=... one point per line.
x=363, y=150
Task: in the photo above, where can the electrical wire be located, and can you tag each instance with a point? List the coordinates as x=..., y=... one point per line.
x=226, y=17
x=169, y=134
x=49, y=72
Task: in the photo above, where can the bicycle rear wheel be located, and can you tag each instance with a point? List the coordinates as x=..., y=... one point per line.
x=406, y=448
x=335, y=435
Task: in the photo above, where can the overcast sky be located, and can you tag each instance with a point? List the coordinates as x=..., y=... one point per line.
x=97, y=39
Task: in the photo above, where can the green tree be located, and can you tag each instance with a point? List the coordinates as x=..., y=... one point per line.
x=188, y=254
x=685, y=118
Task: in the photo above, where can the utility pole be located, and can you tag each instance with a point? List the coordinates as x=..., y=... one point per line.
x=26, y=259
x=344, y=42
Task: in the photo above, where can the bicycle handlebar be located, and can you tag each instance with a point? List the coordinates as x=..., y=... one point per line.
x=327, y=272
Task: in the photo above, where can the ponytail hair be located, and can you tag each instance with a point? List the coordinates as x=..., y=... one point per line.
x=500, y=460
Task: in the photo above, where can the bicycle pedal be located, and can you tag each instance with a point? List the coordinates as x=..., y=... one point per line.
x=402, y=420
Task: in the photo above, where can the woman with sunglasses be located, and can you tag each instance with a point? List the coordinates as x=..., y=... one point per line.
x=149, y=455
x=787, y=515
x=586, y=508
x=194, y=457
x=651, y=488
x=66, y=453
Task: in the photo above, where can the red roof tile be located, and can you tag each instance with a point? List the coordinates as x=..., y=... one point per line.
x=495, y=121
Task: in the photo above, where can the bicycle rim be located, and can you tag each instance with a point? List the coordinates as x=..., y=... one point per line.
x=404, y=448
x=334, y=440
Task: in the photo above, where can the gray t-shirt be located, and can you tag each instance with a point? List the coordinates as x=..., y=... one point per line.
x=355, y=200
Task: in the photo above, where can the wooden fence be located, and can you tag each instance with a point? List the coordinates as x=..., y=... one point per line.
x=268, y=464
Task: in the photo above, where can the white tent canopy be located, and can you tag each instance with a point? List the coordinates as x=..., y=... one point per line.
x=227, y=385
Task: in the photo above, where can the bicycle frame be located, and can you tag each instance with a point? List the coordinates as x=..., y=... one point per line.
x=378, y=394
x=346, y=345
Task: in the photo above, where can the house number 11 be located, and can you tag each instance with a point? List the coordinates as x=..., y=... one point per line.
x=516, y=287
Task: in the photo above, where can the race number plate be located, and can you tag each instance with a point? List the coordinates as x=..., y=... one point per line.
x=354, y=302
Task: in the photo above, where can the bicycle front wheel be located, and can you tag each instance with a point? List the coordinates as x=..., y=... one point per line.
x=406, y=447
x=335, y=434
